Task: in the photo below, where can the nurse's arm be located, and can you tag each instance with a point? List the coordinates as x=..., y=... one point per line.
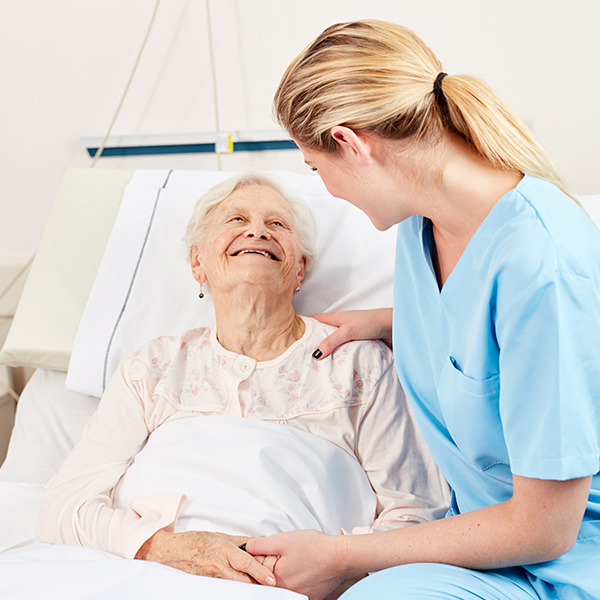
x=372, y=324
x=540, y=522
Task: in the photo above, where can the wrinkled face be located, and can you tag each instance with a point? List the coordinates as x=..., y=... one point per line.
x=250, y=238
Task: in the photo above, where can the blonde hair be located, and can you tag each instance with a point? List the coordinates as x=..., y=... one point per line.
x=304, y=221
x=378, y=77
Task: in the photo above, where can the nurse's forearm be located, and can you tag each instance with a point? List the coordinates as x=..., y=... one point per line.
x=473, y=540
x=313, y=563
x=539, y=523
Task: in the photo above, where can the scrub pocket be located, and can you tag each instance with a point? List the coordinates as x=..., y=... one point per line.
x=471, y=411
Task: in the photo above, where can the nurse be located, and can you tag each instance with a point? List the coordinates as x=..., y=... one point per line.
x=496, y=324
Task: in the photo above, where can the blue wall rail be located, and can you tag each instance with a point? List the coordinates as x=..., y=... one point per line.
x=123, y=148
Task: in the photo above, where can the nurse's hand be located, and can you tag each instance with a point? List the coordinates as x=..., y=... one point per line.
x=207, y=553
x=308, y=562
x=351, y=325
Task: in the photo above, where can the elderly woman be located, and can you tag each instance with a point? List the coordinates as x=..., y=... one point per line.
x=252, y=246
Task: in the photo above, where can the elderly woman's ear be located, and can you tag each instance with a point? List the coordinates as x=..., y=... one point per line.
x=197, y=270
x=301, y=271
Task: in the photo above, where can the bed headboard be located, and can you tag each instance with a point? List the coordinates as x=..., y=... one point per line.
x=64, y=268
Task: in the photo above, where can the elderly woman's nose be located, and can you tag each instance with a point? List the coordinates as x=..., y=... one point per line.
x=257, y=229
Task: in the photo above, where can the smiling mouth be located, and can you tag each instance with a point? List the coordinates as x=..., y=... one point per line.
x=261, y=252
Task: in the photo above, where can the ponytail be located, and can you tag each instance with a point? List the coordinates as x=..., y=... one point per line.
x=379, y=77
x=476, y=112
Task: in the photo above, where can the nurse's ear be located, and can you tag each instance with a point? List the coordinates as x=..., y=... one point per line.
x=353, y=144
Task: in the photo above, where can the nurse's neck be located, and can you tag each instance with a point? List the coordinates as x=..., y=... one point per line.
x=466, y=192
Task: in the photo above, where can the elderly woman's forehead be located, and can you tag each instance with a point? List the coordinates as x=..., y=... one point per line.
x=269, y=195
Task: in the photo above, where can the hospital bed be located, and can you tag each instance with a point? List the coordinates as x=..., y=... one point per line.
x=111, y=273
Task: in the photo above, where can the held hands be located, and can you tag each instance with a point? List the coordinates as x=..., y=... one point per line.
x=207, y=553
x=355, y=325
x=307, y=561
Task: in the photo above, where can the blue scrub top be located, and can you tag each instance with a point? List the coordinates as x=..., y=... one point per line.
x=502, y=365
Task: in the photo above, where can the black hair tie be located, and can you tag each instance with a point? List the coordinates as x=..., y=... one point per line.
x=437, y=86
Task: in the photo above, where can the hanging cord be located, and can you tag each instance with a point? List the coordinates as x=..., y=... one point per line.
x=214, y=77
x=6, y=390
x=135, y=66
x=3, y=388
x=102, y=146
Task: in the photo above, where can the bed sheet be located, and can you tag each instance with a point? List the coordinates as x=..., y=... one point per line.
x=19, y=506
x=48, y=423
x=71, y=573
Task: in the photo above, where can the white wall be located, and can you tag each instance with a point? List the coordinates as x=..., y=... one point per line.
x=65, y=63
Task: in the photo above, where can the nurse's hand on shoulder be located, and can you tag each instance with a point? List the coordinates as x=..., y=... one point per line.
x=351, y=325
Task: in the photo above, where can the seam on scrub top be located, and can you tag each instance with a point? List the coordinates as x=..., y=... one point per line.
x=494, y=464
x=559, y=267
x=587, y=538
x=131, y=283
x=593, y=455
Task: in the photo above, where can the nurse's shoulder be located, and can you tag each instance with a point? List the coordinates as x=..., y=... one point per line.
x=548, y=234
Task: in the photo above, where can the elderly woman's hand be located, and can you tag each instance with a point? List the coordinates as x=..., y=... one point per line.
x=372, y=324
x=308, y=562
x=207, y=553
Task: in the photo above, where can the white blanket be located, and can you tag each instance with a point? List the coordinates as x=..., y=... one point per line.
x=240, y=476
x=250, y=477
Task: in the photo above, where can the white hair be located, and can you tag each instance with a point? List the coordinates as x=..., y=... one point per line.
x=304, y=222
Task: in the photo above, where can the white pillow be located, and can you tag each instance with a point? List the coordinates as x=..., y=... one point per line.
x=144, y=287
